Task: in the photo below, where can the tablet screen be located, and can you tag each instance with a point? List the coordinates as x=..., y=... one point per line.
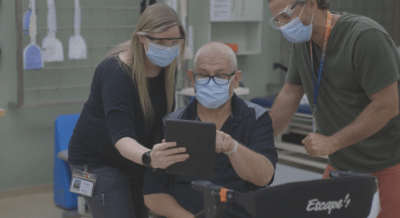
x=199, y=140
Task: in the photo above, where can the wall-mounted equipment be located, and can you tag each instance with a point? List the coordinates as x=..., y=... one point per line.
x=52, y=48
x=32, y=54
x=237, y=22
x=77, y=45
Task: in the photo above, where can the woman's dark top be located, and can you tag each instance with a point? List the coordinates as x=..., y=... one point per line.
x=112, y=112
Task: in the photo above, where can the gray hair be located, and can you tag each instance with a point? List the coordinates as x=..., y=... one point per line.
x=217, y=49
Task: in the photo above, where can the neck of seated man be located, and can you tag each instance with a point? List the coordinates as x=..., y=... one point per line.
x=217, y=116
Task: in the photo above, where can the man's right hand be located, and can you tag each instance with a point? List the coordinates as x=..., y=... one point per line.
x=163, y=155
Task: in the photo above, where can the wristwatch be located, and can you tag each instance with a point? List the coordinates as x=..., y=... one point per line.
x=146, y=159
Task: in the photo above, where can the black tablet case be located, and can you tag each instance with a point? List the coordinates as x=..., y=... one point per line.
x=199, y=140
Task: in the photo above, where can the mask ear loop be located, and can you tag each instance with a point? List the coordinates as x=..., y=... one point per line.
x=312, y=17
x=230, y=96
x=302, y=11
x=232, y=79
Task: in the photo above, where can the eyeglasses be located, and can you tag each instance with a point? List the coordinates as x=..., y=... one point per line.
x=220, y=79
x=167, y=42
x=284, y=15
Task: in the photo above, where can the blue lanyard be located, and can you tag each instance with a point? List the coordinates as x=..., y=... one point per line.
x=316, y=86
x=321, y=67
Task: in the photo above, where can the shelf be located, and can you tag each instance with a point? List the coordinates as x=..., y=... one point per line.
x=241, y=10
x=247, y=35
x=294, y=159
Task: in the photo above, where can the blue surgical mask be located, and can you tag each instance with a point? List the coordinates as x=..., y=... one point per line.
x=162, y=56
x=296, y=32
x=212, y=95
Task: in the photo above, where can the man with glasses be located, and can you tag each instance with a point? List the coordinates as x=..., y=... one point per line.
x=348, y=67
x=246, y=155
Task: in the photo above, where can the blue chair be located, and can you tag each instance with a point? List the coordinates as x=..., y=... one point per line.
x=63, y=128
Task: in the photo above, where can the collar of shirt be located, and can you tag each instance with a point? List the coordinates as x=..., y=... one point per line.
x=239, y=111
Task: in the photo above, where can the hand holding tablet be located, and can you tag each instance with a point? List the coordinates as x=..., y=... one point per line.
x=166, y=154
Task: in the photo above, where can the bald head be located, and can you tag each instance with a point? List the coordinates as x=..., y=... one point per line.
x=215, y=52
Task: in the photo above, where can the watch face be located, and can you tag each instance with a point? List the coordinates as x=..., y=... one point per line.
x=146, y=159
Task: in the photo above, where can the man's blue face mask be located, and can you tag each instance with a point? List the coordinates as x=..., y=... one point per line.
x=162, y=56
x=212, y=95
x=296, y=32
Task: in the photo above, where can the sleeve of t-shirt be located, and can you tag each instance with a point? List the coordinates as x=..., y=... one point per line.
x=375, y=63
x=156, y=182
x=262, y=139
x=292, y=75
x=118, y=103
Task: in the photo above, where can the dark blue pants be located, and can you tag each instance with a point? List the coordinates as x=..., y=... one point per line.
x=116, y=194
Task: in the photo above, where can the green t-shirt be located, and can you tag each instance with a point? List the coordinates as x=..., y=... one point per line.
x=361, y=59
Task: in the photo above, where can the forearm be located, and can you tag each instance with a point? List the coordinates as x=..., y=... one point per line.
x=251, y=166
x=166, y=205
x=285, y=106
x=374, y=117
x=131, y=149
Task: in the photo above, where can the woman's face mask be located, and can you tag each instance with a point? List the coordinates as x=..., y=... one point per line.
x=162, y=56
x=296, y=32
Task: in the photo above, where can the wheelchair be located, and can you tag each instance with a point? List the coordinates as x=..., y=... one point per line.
x=345, y=194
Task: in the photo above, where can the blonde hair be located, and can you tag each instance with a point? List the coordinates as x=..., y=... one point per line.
x=156, y=18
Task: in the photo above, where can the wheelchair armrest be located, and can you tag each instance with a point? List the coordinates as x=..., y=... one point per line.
x=342, y=174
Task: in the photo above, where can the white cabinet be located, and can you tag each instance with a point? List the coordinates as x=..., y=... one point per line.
x=247, y=10
x=241, y=25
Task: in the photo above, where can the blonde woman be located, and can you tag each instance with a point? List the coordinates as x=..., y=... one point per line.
x=132, y=89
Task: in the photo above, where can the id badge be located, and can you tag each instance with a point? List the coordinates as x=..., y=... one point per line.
x=83, y=183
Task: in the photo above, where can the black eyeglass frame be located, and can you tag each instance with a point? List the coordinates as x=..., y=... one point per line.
x=212, y=77
x=155, y=38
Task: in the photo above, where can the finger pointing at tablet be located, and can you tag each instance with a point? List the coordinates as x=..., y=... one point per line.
x=223, y=142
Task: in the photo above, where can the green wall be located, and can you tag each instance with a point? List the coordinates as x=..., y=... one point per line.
x=26, y=135
x=257, y=69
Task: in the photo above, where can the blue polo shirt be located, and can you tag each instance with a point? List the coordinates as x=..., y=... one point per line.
x=251, y=126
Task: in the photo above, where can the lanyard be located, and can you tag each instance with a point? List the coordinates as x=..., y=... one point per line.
x=316, y=86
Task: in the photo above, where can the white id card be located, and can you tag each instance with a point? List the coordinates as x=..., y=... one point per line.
x=83, y=183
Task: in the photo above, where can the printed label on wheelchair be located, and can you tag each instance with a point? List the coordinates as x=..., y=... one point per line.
x=346, y=194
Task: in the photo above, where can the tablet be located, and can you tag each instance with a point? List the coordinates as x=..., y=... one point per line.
x=199, y=140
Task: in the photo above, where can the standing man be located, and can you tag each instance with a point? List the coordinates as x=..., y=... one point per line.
x=348, y=66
